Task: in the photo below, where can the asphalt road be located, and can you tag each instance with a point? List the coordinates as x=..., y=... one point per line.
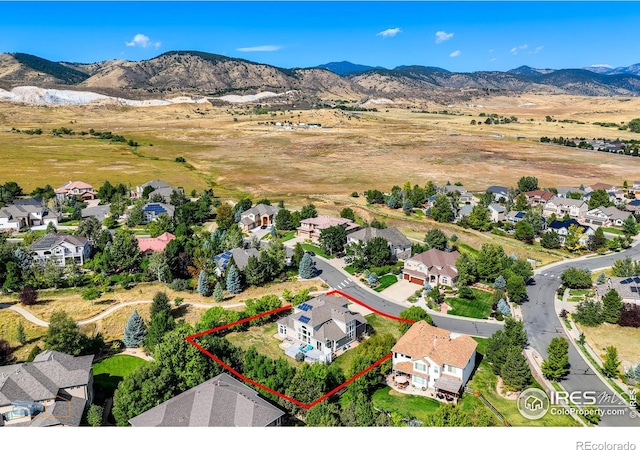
x=339, y=280
x=543, y=324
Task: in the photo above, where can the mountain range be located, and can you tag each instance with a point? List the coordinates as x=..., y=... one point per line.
x=210, y=75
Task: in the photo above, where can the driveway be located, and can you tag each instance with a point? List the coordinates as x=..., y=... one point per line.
x=400, y=291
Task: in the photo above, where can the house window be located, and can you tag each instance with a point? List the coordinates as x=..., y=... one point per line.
x=419, y=380
x=436, y=369
x=444, y=280
x=450, y=369
x=420, y=366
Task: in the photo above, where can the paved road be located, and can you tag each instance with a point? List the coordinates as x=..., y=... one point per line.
x=342, y=281
x=542, y=325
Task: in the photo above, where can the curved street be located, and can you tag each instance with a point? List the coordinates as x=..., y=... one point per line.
x=543, y=324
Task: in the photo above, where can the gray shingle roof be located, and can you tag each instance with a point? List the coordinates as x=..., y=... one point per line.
x=52, y=240
x=391, y=235
x=221, y=401
x=261, y=209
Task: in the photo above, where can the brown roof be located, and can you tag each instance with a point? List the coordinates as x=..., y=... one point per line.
x=544, y=195
x=440, y=345
x=435, y=257
x=603, y=186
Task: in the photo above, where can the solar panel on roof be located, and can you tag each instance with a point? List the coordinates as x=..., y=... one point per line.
x=634, y=288
x=637, y=279
x=626, y=281
x=304, y=319
x=305, y=307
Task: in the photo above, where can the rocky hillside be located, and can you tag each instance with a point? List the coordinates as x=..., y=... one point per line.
x=205, y=74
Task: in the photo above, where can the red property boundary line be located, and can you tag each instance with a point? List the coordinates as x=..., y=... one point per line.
x=191, y=340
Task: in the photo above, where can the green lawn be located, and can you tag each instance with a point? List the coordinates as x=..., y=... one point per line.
x=109, y=372
x=485, y=381
x=317, y=250
x=286, y=235
x=385, y=282
x=383, y=325
x=350, y=270
x=406, y=405
x=262, y=338
x=464, y=248
x=612, y=231
x=478, y=308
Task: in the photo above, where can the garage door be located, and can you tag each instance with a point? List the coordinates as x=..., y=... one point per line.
x=417, y=281
x=406, y=276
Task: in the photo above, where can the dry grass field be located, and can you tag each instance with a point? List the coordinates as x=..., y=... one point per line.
x=625, y=339
x=8, y=325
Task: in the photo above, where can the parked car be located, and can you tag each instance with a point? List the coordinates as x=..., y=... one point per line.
x=310, y=253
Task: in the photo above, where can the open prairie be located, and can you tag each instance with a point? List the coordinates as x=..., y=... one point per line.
x=229, y=149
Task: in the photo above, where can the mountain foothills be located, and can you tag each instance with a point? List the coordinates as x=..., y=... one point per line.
x=206, y=74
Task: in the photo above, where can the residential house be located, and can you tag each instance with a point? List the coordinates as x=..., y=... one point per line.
x=564, y=191
x=240, y=257
x=258, y=216
x=15, y=217
x=61, y=248
x=311, y=228
x=538, y=197
x=399, y=244
x=562, y=228
x=515, y=216
x=155, y=184
x=464, y=196
x=635, y=189
x=606, y=216
x=432, y=267
x=75, y=189
x=496, y=212
x=151, y=211
x=53, y=390
x=627, y=287
x=464, y=211
x=100, y=212
x=149, y=245
x=600, y=186
x=320, y=327
x=500, y=193
x=159, y=188
x=221, y=401
x=428, y=357
x=633, y=206
x=560, y=206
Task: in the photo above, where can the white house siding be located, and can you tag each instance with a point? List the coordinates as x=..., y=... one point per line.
x=466, y=372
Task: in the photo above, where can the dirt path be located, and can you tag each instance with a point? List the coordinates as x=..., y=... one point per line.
x=41, y=323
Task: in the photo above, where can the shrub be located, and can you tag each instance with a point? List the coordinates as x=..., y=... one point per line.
x=465, y=292
x=91, y=293
x=629, y=315
x=180, y=285
x=178, y=301
x=28, y=296
x=300, y=357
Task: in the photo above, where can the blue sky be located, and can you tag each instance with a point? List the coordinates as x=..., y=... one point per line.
x=458, y=36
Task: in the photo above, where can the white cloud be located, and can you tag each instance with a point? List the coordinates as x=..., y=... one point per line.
x=260, y=48
x=606, y=66
x=390, y=32
x=493, y=59
x=456, y=53
x=442, y=36
x=515, y=50
x=143, y=41
x=538, y=49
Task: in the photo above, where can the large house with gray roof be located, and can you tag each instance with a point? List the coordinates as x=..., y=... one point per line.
x=61, y=248
x=320, y=327
x=221, y=401
x=560, y=206
x=53, y=390
x=258, y=216
x=627, y=287
x=21, y=215
x=399, y=244
x=240, y=258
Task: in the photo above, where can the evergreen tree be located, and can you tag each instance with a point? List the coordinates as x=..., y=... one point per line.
x=134, y=331
x=442, y=211
x=629, y=226
x=204, y=288
x=436, y=238
x=515, y=332
x=234, y=284
x=218, y=292
x=503, y=307
x=307, y=268
x=500, y=283
x=467, y=269
x=161, y=323
x=611, y=362
x=254, y=272
x=611, y=306
x=160, y=303
x=550, y=239
x=637, y=372
x=94, y=415
x=298, y=253
x=602, y=278
x=557, y=365
x=21, y=336
x=515, y=371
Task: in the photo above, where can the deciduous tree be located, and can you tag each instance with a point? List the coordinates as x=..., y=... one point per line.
x=556, y=366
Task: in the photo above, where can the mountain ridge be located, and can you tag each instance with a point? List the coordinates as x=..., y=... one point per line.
x=211, y=75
